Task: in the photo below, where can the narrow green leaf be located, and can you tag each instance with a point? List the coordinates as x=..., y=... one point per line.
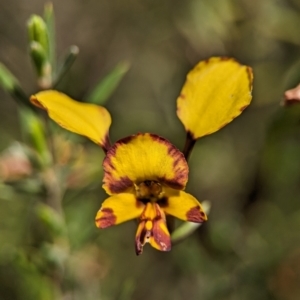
x=50, y=23
x=11, y=85
x=7, y=79
x=66, y=64
x=107, y=86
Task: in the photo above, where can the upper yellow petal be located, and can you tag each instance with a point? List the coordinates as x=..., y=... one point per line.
x=143, y=157
x=117, y=209
x=183, y=206
x=86, y=119
x=216, y=91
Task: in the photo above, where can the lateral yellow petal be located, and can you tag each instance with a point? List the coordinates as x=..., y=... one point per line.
x=183, y=206
x=216, y=91
x=141, y=157
x=118, y=209
x=86, y=119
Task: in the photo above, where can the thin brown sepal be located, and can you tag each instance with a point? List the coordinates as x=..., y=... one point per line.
x=189, y=145
x=107, y=144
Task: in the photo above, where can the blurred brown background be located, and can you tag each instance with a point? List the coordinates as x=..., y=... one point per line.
x=250, y=170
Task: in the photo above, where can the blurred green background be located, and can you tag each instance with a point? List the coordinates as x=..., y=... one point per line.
x=250, y=170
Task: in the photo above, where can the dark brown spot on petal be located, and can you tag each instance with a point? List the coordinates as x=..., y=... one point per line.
x=196, y=215
x=108, y=218
x=119, y=186
x=182, y=96
x=174, y=184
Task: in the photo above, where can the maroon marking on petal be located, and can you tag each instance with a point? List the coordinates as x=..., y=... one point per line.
x=181, y=170
x=159, y=139
x=119, y=186
x=196, y=215
x=126, y=139
x=181, y=175
x=174, y=184
x=160, y=237
x=182, y=96
x=138, y=247
x=140, y=238
x=108, y=218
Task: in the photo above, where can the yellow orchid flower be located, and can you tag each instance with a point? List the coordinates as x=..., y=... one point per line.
x=144, y=174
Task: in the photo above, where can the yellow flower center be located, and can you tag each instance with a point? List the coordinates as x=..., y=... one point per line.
x=149, y=191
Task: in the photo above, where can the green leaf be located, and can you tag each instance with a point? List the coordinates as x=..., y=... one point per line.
x=50, y=23
x=66, y=64
x=11, y=85
x=7, y=79
x=107, y=86
x=33, y=130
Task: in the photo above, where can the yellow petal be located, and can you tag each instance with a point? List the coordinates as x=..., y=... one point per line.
x=141, y=157
x=85, y=119
x=183, y=206
x=216, y=91
x=117, y=209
